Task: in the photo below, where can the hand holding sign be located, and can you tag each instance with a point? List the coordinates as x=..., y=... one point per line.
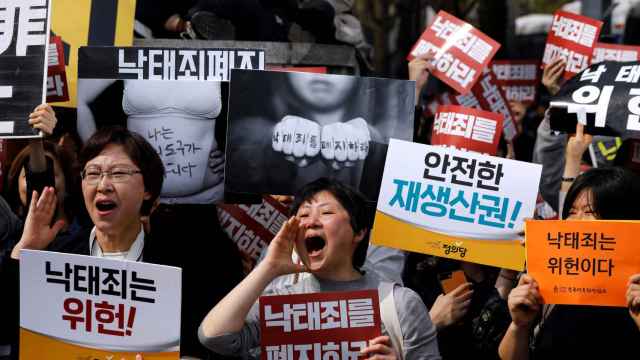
x=450, y=308
x=297, y=138
x=37, y=233
x=380, y=348
x=633, y=298
x=43, y=118
x=524, y=302
x=278, y=258
x=345, y=143
x=419, y=69
x=552, y=74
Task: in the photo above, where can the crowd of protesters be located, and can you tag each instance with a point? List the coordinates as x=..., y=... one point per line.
x=106, y=200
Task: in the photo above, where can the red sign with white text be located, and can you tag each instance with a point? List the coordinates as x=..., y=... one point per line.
x=614, y=52
x=57, y=87
x=518, y=79
x=329, y=325
x=573, y=38
x=467, y=129
x=460, y=51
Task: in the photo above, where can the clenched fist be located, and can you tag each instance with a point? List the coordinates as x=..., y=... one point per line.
x=345, y=143
x=297, y=138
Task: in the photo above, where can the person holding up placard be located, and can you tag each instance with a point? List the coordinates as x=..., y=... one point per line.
x=564, y=331
x=329, y=232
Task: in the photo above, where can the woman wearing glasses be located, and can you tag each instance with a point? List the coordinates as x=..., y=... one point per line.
x=122, y=177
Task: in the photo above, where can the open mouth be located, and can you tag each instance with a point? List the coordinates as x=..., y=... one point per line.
x=105, y=205
x=314, y=245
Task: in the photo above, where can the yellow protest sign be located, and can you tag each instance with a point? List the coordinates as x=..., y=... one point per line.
x=93, y=23
x=583, y=262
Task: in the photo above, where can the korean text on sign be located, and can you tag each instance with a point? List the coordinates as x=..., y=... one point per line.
x=614, y=52
x=467, y=129
x=573, y=38
x=318, y=326
x=518, y=78
x=460, y=51
x=579, y=262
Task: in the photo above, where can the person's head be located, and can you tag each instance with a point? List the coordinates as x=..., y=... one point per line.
x=118, y=201
x=335, y=224
x=64, y=170
x=603, y=193
x=322, y=92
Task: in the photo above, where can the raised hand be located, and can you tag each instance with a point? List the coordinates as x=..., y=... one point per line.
x=43, y=118
x=419, y=70
x=297, y=138
x=525, y=302
x=552, y=74
x=278, y=258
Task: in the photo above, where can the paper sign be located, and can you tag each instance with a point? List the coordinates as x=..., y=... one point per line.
x=252, y=227
x=455, y=204
x=614, y=52
x=604, y=96
x=93, y=23
x=467, y=129
x=57, y=86
x=24, y=38
x=573, y=38
x=583, y=262
x=74, y=306
x=460, y=51
x=518, y=78
x=328, y=325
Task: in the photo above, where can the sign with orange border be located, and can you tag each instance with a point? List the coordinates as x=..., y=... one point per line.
x=583, y=262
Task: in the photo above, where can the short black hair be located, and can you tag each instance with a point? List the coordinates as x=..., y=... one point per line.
x=615, y=193
x=351, y=200
x=139, y=151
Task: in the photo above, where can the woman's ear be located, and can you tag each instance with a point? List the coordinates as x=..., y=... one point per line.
x=360, y=235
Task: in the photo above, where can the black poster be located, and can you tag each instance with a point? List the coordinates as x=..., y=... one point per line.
x=605, y=97
x=24, y=29
x=287, y=129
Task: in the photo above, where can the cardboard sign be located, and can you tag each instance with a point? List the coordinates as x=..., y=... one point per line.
x=287, y=129
x=573, y=38
x=460, y=51
x=252, y=227
x=455, y=204
x=583, y=262
x=74, y=306
x=487, y=95
x=467, y=129
x=90, y=22
x=166, y=63
x=604, y=96
x=328, y=325
x=614, y=52
x=57, y=86
x=24, y=38
x=518, y=78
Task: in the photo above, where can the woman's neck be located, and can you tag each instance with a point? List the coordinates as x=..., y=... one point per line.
x=329, y=117
x=120, y=241
x=348, y=274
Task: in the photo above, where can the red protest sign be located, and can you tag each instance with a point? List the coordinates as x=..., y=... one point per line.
x=307, y=69
x=331, y=325
x=460, y=51
x=486, y=95
x=467, y=129
x=573, y=38
x=518, y=78
x=614, y=52
x=251, y=227
x=57, y=88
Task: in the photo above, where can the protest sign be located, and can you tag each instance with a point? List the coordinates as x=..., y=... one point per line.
x=455, y=204
x=173, y=98
x=571, y=37
x=614, y=52
x=467, y=129
x=328, y=325
x=518, y=78
x=75, y=306
x=24, y=38
x=90, y=22
x=459, y=50
x=604, y=97
x=583, y=262
x=57, y=86
x=487, y=95
x=287, y=129
x=252, y=227
x=309, y=69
